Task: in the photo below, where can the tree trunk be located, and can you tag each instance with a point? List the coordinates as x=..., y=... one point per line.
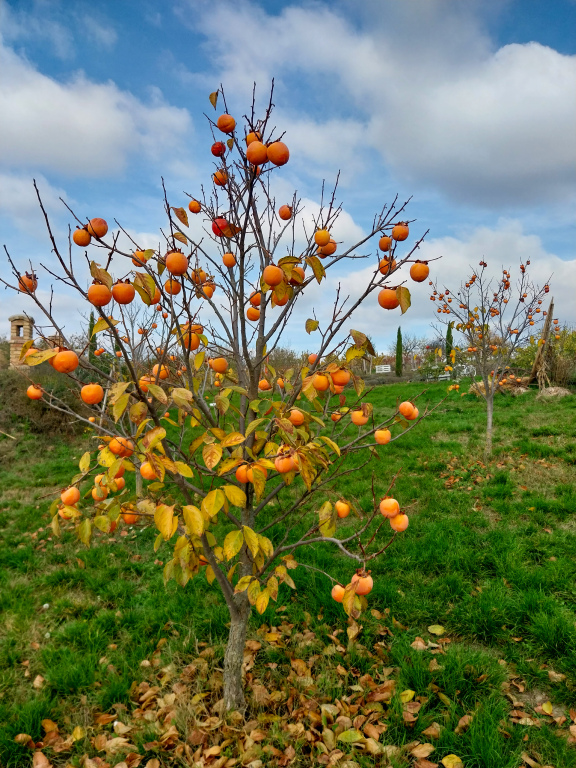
x=489, y=425
x=234, y=656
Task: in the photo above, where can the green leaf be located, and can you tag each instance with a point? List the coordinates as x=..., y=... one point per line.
x=84, y=464
x=120, y=406
x=311, y=325
x=235, y=495
x=327, y=516
x=193, y=519
x=233, y=544
x=403, y=296
x=251, y=539
x=181, y=215
x=158, y=393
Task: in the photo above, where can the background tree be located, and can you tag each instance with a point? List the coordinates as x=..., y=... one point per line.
x=238, y=483
x=399, y=353
x=449, y=343
x=495, y=318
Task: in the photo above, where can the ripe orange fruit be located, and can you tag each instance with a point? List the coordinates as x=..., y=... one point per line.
x=218, y=149
x=327, y=250
x=194, y=206
x=341, y=377
x=382, y=436
x=278, y=153
x=253, y=313
x=414, y=416
x=97, y=228
x=99, y=295
x=220, y=365
x=253, y=136
x=277, y=302
x=363, y=584
x=342, y=508
x=256, y=299
x=257, y=467
x=143, y=383
x=406, y=409
x=123, y=293
x=147, y=471
x=285, y=212
x=384, y=243
x=172, y=287
x=358, y=418
x=296, y=417
x=298, y=276
x=399, y=523
x=99, y=493
x=129, y=518
x=264, y=385
x=121, y=446
x=322, y=237
x=336, y=417
x=242, y=473
x=92, y=394
x=160, y=371
x=257, y=153
x=27, y=283
x=191, y=340
x=320, y=382
x=176, y=262
x=156, y=298
x=220, y=178
x=312, y=358
x=337, y=593
x=285, y=463
x=229, y=260
x=389, y=507
x=34, y=392
x=272, y=275
x=220, y=227
x=118, y=484
x=226, y=123
x=280, y=383
x=386, y=265
x=70, y=496
x=400, y=231
x=387, y=299
x=419, y=271
x=82, y=237
x=66, y=361
x=138, y=258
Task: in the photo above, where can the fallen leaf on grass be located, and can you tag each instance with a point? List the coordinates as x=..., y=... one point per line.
x=547, y=707
x=351, y=736
x=422, y=750
x=436, y=629
x=556, y=677
x=452, y=761
x=40, y=760
x=407, y=696
x=418, y=644
x=528, y=760
x=433, y=731
x=49, y=725
x=38, y=682
x=25, y=739
x=78, y=733
x=463, y=723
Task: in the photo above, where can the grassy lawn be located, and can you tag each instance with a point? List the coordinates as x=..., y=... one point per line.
x=128, y=670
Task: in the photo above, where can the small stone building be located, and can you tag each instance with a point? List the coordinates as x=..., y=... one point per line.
x=21, y=331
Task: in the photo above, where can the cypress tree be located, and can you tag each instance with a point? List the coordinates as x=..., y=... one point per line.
x=449, y=342
x=399, y=352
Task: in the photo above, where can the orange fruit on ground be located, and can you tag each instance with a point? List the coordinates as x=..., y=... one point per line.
x=257, y=153
x=322, y=237
x=160, y=371
x=255, y=298
x=92, y=394
x=327, y=250
x=253, y=313
x=147, y=471
x=220, y=178
x=278, y=153
x=34, y=392
x=320, y=382
x=121, y=446
x=220, y=365
x=389, y=507
x=123, y=293
x=194, y=206
x=285, y=464
x=341, y=377
x=363, y=584
x=172, y=287
x=242, y=473
x=337, y=593
x=382, y=436
x=253, y=136
x=296, y=417
x=258, y=468
x=99, y=295
x=399, y=523
x=419, y=271
x=66, y=361
x=226, y=123
x=312, y=358
x=400, y=232
x=358, y=418
x=387, y=299
x=82, y=237
x=342, y=508
x=406, y=409
x=384, y=243
x=285, y=212
x=176, y=262
x=264, y=385
x=272, y=275
x=387, y=265
x=70, y=496
x=97, y=228
x=27, y=283
x=229, y=260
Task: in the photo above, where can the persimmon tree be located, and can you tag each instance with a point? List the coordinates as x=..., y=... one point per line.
x=243, y=464
x=495, y=317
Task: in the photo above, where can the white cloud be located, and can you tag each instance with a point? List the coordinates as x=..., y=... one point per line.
x=103, y=35
x=81, y=128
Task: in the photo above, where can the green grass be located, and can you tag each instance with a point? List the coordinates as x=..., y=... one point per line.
x=490, y=554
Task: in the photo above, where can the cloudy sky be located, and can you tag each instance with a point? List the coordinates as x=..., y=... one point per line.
x=467, y=106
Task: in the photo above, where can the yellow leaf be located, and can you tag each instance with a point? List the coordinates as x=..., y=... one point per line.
x=40, y=357
x=436, y=629
x=213, y=502
x=85, y=531
x=84, y=464
x=211, y=453
x=407, y=696
x=183, y=469
x=234, y=438
x=158, y=393
x=194, y=520
x=102, y=324
x=235, y=495
x=452, y=761
x=78, y=733
x=547, y=707
x=213, y=98
x=262, y=601
x=120, y=406
x=403, y=296
x=311, y=325
x=251, y=539
x=163, y=520
x=233, y=544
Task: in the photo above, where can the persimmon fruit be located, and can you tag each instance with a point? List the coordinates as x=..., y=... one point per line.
x=92, y=394
x=99, y=295
x=194, y=206
x=387, y=299
x=382, y=436
x=176, y=262
x=399, y=523
x=363, y=584
x=384, y=243
x=358, y=418
x=342, y=508
x=82, y=237
x=218, y=149
x=272, y=275
x=341, y=377
x=97, y=228
x=27, y=283
x=123, y=292
x=257, y=153
x=320, y=382
x=400, y=232
x=147, y=471
x=34, y=392
x=160, y=371
x=406, y=409
x=66, y=361
x=278, y=153
x=296, y=417
x=70, y=496
x=389, y=507
x=322, y=237
x=220, y=365
x=285, y=212
x=226, y=123
x=121, y=446
x=252, y=313
x=338, y=593
x=229, y=260
x=419, y=271
x=172, y=287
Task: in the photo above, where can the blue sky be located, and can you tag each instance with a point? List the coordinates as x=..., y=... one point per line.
x=467, y=106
